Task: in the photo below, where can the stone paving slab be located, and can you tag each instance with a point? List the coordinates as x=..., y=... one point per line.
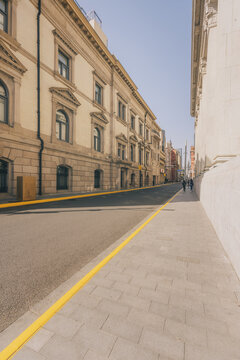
x=170, y=294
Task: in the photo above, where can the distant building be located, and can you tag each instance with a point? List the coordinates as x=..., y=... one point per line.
x=173, y=162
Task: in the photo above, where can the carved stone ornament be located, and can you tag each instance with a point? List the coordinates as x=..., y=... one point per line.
x=122, y=137
x=65, y=94
x=133, y=138
x=100, y=116
x=7, y=57
x=210, y=14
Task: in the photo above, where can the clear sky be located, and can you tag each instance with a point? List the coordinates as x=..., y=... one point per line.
x=152, y=40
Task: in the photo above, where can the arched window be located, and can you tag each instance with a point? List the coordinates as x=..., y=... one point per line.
x=62, y=126
x=97, y=139
x=3, y=103
x=3, y=176
x=4, y=15
x=62, y=177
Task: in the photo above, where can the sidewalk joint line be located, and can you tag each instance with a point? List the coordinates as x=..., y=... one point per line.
x=31, y=330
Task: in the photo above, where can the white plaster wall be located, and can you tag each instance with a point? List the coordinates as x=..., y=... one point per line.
x=219, y=192
x=218, y=128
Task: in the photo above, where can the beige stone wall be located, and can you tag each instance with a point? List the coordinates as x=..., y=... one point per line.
x=18, y=140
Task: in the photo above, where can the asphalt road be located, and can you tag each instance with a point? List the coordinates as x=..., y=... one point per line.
x=42, y=246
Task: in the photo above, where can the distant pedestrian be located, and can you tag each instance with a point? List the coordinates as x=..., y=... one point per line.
x=188, y=183
x=184, y=185
x=191, y=184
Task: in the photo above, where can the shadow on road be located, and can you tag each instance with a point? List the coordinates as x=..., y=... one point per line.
x=145, y=197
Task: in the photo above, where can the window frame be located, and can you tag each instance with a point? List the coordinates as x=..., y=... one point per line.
x=121, y=111
x=6, y=101
x=60, y=126
x=133, y=121
x=140, y=128
x=97, y=141
x=132, y=152
x=62, y=65
x=121, y=151
x=5, y=16
x=101, y=93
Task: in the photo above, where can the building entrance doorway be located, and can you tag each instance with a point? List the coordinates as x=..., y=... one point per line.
x=3, y=176
x=97, y=179
x=123, y=178
x=154, y=180
x=140, y=179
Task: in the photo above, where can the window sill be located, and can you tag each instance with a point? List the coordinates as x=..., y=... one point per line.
x=13, y=43
x=121, y=121
x=67, y=82
x=99, y=106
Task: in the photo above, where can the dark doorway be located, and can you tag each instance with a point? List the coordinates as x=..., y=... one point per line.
x=132, y=179
x=122, y=178
x=140, y=179
x=3, y=176
x=147, y=180
x=154, y=180
x=97, y=179
x=62, y=178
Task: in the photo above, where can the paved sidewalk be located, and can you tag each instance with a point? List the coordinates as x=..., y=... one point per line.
x=170, y=294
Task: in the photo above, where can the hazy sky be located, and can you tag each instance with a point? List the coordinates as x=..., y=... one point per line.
x=152, y=40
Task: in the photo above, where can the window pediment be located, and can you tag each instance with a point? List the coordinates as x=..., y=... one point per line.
x=99, y=116
x=66, y=94
x=133, y=138
x=122, y=137
x=7, y=57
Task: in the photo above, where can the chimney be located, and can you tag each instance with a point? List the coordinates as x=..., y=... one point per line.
x=96, y=23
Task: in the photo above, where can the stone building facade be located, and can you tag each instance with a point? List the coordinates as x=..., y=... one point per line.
x=215, y=104
x=70, y=114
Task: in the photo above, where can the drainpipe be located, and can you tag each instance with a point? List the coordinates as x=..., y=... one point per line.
x=38, y=101
x=144, y=161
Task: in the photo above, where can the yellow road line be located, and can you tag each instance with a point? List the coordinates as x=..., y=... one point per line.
x=32, y=202
x=18, y=343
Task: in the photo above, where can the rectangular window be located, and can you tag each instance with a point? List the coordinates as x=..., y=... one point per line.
x=98, y=93
x=132, y=122
x=140, y=128
x=140, y=156
x=63, y=65
x=121, y=111
x=147, y=134
x=4, y=15
x=123, y=152
x=119, y=150
x=147, y=158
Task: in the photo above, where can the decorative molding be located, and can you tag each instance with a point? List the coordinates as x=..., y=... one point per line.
x=66, y=41
x=210, y=14
x=122, y=137
x=133, y=138
x=66, y=94
x=100, y=116
x=10, y=59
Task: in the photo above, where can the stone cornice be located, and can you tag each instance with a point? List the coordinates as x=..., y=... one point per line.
x=204, y=17
x=75, y=13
